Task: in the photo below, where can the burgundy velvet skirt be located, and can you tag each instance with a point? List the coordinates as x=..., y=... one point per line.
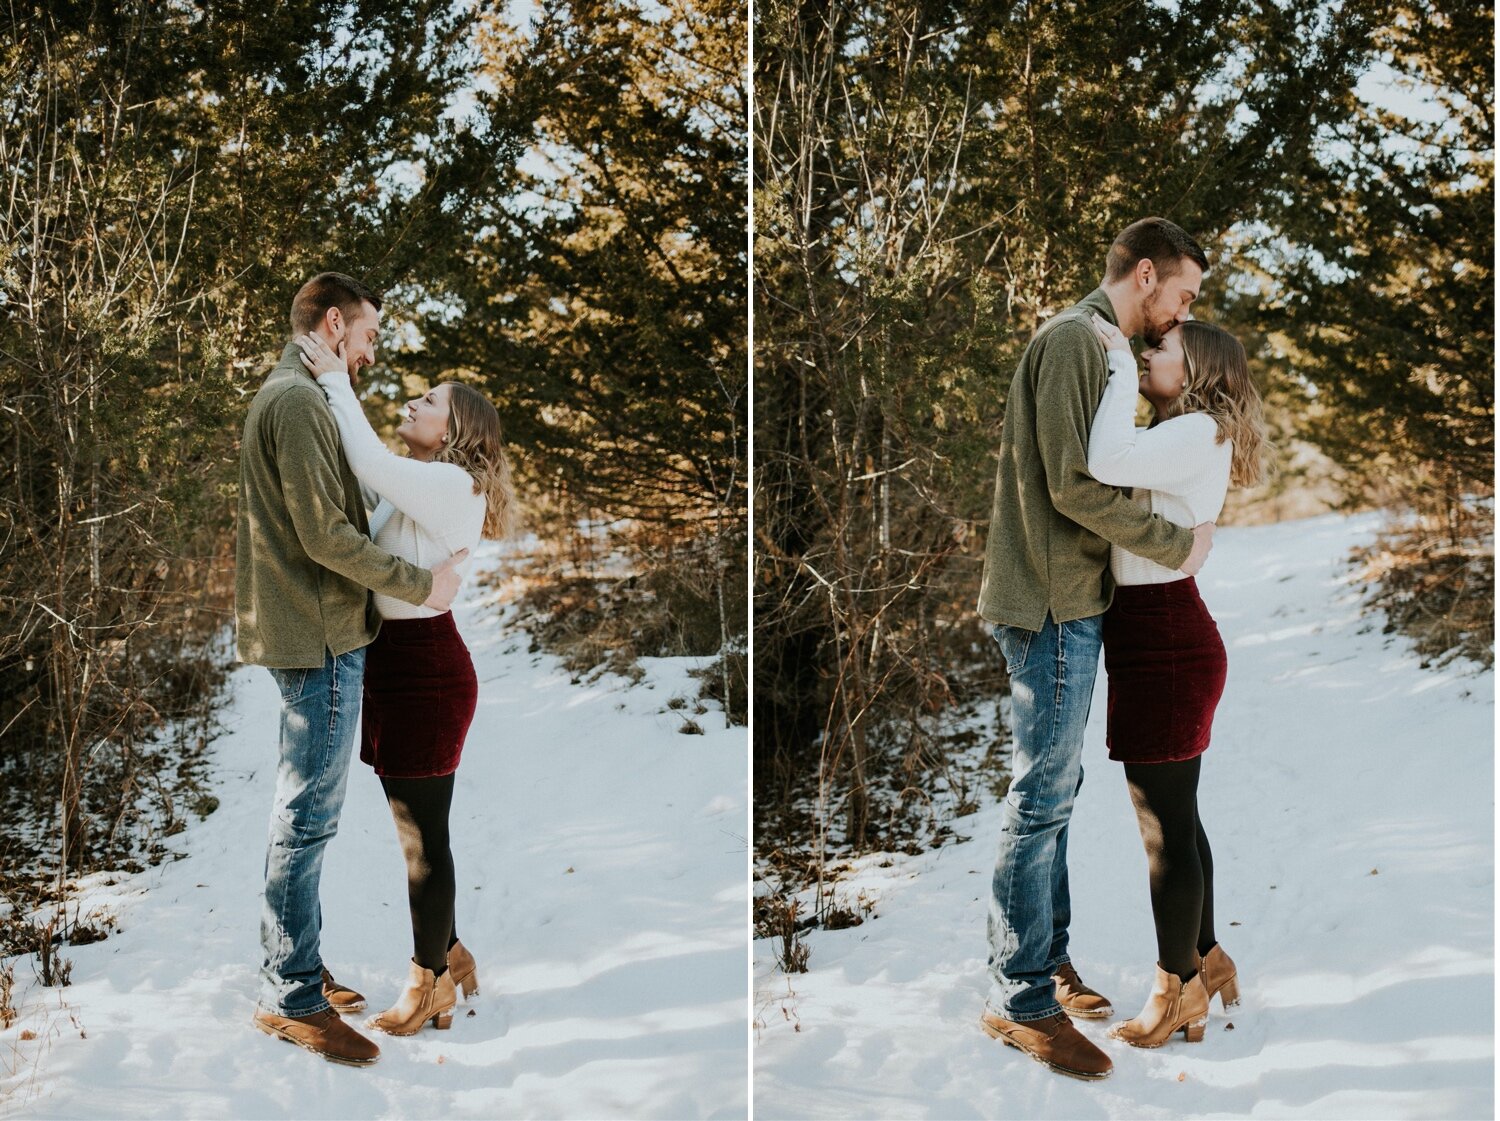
x=419, y=698
x=1166, y=665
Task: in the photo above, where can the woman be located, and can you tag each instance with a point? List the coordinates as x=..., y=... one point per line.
x=420, y=688
x=1162, y=651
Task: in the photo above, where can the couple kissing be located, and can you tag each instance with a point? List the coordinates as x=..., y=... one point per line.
x=348, y=558
x=1097, y=532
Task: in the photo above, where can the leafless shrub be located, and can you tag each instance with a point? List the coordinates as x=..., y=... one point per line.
x=1432, y=576
x=602, y=601
x=776, y=917
x=7, y=986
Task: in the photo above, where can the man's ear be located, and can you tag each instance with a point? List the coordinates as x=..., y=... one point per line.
x=333, y=319
x=1145, y=272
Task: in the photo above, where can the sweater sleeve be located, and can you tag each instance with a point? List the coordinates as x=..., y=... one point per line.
x=434, y=495
x=307, y=451
x=1070, y=377
x=1165, y=458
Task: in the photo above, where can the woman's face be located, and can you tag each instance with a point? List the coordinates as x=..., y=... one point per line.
x=1166, y=369
x=426, y=422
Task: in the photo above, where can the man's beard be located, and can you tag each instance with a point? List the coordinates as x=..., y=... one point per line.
x=1152, y=331
x=352, y=368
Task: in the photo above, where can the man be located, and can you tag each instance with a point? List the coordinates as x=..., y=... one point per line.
x=305, y=564
x=1045, y=588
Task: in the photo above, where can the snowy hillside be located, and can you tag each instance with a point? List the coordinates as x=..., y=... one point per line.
x=1348, y=796
x=601, y=861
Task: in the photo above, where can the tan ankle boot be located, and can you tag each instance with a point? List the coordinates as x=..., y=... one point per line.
x=1053, y=1041
x=1173, y=1005
x=426, y=999
x=462, y=969
x=1220, y=976
x=322, y=1033
x=1076, y=998
x=342, y=997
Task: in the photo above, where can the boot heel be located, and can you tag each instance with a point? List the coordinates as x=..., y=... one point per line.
x=1229, y=993
x=469, y=984
x=444, y=1020
x=1194, y=1031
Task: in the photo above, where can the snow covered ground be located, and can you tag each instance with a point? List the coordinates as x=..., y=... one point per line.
x=601, y=861
x=1349, y=799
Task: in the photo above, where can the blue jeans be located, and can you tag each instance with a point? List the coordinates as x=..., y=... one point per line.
x=1051, y=686
x=319, y=712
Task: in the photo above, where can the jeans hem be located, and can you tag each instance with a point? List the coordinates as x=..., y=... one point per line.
x=1022, y=1017
x=292, y=1015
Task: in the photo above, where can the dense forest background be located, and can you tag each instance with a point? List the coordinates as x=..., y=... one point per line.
x=932, y=180
x=551, y=198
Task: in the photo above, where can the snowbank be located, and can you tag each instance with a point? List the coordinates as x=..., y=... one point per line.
x=601, y=861
x=1348, y=796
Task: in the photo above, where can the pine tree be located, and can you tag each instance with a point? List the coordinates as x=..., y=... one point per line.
x=933, y=181
x=1379, y=290
x=176, y=172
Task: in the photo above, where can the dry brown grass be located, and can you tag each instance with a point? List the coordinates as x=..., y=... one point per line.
x=776, y=917
x=597, y=614
x=7, y=987
x=1433, y=576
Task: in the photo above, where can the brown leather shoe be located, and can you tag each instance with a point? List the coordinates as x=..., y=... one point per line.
x=462, y=969
x=342, y=997
x=1220, y=976
x=1076, y=998
x=427, y=999
x=322, y=1033
x=1053, y=1041
x=1174, y=1005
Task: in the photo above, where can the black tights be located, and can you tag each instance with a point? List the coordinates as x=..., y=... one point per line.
x=1181, y=864
x=420, y=809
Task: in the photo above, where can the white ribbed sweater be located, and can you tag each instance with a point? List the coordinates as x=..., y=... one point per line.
x=427, y=511
x=1177, y=469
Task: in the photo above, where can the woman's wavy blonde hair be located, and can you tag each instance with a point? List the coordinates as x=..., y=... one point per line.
x=1216, y=380
x=474, y=444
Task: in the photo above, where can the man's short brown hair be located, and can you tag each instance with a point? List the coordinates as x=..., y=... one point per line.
x=326, y=290
x=1164, y=243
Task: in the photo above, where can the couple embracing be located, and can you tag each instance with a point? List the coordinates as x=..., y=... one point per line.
x=348, y=558
x=1097, y=532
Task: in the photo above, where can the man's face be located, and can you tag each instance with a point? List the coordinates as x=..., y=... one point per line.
x=1167, y=303
x=359, y=336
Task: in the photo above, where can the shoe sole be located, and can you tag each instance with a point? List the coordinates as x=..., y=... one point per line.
x=467, y=985
x=1196, y=1036
x=430, y=1018
x=277, y=1033
x=1091, y=1014
x=345, y=1009
x=1081, y=1075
